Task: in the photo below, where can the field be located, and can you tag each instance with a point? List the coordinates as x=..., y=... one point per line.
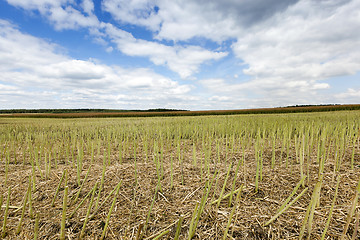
x=105, y=113
x=278, y=176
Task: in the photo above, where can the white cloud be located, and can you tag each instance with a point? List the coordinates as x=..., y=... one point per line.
x=5, y=88
x=70, y=18
x=37, y=4
x=16, y=55
x=219, y=98
x=310, y=41
x=139, y=12
x=184, y=60
x=288, y=45
x=352, y=95
x=264, y=93
x=62, y=13
x=34, y=67
x=291, y=53
x=109, y=49
x=185, y=19
x=88, y=6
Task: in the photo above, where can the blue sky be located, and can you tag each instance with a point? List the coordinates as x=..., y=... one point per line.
x=196, y=55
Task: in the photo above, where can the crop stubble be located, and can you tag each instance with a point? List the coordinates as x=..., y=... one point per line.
x=151, y=143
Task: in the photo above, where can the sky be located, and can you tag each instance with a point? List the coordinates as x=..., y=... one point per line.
x=179, y=54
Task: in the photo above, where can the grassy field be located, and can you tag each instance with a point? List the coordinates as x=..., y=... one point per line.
x=278, y=176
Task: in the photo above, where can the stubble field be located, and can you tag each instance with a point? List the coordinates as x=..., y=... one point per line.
x=284, y=176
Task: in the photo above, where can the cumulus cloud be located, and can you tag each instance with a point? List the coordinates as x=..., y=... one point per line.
x=219, y=98
x=288, y=46
x=139, y=12
x=265, y=93
x=352, y=95
x=88, y=6
x=183, y=60
x=183, y=20
x=64, y=15
x=316, y=42
x=36, y=72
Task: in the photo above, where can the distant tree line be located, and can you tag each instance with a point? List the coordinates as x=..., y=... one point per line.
x=161, y=112
x=312, y=105
x=82, y=110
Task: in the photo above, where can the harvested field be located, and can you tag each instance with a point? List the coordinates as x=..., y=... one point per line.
x=223, y=177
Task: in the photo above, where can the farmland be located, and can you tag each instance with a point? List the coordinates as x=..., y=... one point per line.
x=105, y=113
x=278, y=176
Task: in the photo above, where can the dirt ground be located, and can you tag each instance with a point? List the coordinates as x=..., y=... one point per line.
x=171, y=203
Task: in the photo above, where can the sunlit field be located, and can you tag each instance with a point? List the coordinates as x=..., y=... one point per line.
x=279, y=176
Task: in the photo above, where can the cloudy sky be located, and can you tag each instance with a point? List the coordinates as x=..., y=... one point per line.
x=183, y=54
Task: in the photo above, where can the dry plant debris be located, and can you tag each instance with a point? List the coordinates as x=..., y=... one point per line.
x=181, y=168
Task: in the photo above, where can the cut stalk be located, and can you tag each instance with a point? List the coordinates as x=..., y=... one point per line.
x=1, y=201
x=198, y=211
x=80, y=204
x=234, y=181
x=224, y=185
x=171, y=172
x=226, y=196
x=356, y=228
x=273, y=151
x=105, y=200
x=315, y=202
x=232, y=214
x=101, y=183
x=63, y=218
x=161, y=235
x=3, y=235
x=351, y=212
x=191, y=226
x=31, y=211
x=311, y=210
x=82, y=185
x=178, y=228
x=286, y=207
x=36, y=229
x=292, y=193
x=23, y=210
x=151, y=206
x=331, y=209
x=58, y=188
x=82, y=233
x=110, y=211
